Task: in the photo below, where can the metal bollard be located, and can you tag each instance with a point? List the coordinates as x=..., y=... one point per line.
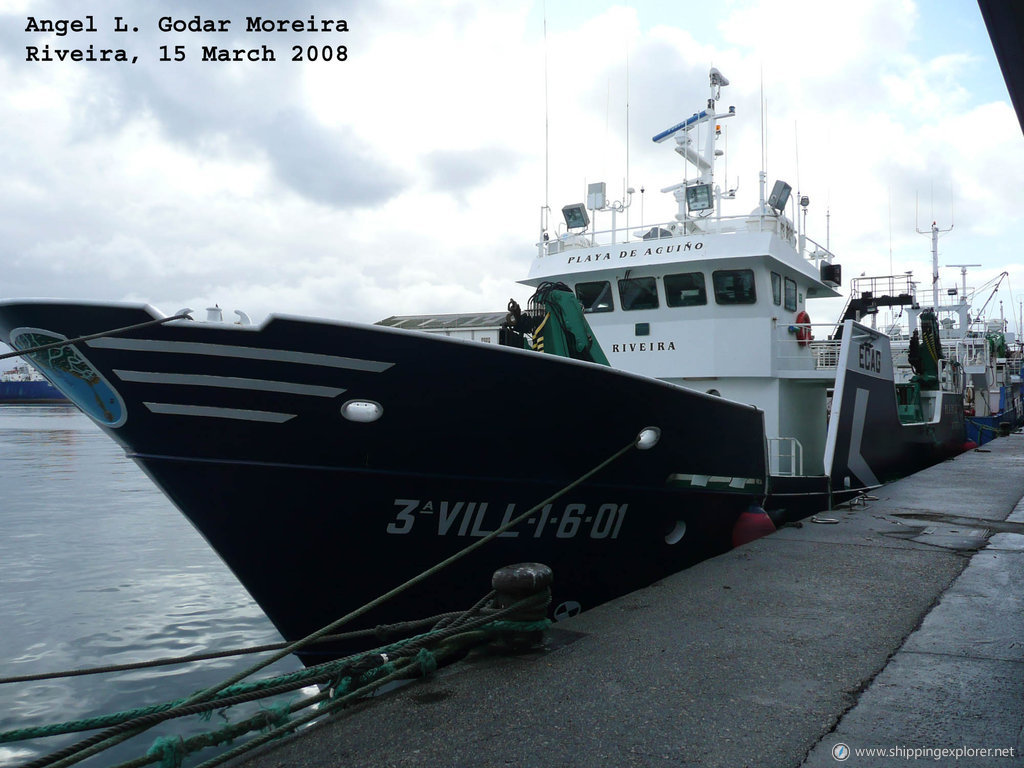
x=516, y=582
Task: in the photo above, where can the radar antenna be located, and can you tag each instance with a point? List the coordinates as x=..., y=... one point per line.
x=963, y=277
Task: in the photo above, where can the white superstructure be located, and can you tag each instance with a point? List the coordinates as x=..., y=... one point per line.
x=713, y=302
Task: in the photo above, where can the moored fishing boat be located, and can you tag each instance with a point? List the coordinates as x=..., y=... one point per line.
x=965, y=350
x=327, y=462
x=993, y=365
x=313, y=453
x=719, y=303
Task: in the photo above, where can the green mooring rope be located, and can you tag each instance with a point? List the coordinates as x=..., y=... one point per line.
x=241, y=692
x=327, y=701
x=170, y=750
x=982, y=427
x=381, y=632
x=124, y=731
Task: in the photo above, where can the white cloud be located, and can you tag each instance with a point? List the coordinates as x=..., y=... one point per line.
x=410, y=177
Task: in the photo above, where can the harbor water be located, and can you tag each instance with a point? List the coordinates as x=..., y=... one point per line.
x=97, y=568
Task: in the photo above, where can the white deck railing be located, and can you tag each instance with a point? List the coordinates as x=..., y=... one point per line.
x=713, y=225
x=819, y=354
x=826, y=354
x=788, y=462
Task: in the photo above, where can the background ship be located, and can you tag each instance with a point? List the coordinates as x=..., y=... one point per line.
x=23, y=385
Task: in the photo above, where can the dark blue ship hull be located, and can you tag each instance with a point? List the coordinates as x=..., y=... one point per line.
x=982, y=429
x=30, y=393
x=327, y=463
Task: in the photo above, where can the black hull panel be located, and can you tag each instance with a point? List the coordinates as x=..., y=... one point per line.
x=868, y=444
x=318, y=512
x=310, y=544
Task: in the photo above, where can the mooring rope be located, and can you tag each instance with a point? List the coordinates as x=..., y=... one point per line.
x=91, y=336
x=101, y=741
x=982, y=427
x=492, y=621
x=381, y=632
x=327, y=708
x=337, y=676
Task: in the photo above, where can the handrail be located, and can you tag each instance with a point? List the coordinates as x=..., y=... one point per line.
x=883, y=285
x=972, y=351
x=796, y=455
x=826, y=354
x=767, y=222
x=823, y=351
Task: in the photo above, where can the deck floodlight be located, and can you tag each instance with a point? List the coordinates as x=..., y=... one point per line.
x=698, y=197
x=576, y=216
x=832, y=275
x=780, y=195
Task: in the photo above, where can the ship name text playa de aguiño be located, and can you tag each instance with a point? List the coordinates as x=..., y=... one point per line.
x=632, y=253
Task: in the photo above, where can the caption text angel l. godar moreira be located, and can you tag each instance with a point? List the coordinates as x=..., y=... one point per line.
x=173, y=44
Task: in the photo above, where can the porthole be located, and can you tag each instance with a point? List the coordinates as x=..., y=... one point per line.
x=362, y=411
x=676, y=534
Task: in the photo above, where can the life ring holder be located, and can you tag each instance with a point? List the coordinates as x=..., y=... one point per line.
x=803, y=328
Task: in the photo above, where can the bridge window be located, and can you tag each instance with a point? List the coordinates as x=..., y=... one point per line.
x=776, y=288
x=595, y=297
x=734, y=286
x=791, y=295
x=686, y=290
x=638, y=293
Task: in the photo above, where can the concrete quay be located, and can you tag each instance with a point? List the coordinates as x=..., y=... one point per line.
x=899, y=627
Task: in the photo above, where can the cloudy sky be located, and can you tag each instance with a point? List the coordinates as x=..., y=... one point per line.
x=409, y=178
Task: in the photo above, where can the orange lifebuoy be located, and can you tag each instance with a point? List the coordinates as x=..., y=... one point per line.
x=803, y=328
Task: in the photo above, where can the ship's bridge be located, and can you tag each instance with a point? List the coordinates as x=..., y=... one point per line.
x=726, y=298
x=721, y=310
x=711, y=302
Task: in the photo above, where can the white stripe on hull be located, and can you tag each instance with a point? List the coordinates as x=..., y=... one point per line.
x=249, y=353
x=241, y=414
x=229, y=382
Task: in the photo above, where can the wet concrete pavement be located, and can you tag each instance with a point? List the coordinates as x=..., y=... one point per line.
x=898, y=627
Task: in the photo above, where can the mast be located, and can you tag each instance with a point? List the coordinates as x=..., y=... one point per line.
x=703, y=158
x=935, y=231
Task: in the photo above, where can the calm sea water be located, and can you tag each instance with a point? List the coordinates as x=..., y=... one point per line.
x=96, y=568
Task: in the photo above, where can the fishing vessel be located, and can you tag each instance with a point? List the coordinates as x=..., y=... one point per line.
x=993, y=365
x=719, y=303
x=327, y=462
x=24, y=385
x=978, y=354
